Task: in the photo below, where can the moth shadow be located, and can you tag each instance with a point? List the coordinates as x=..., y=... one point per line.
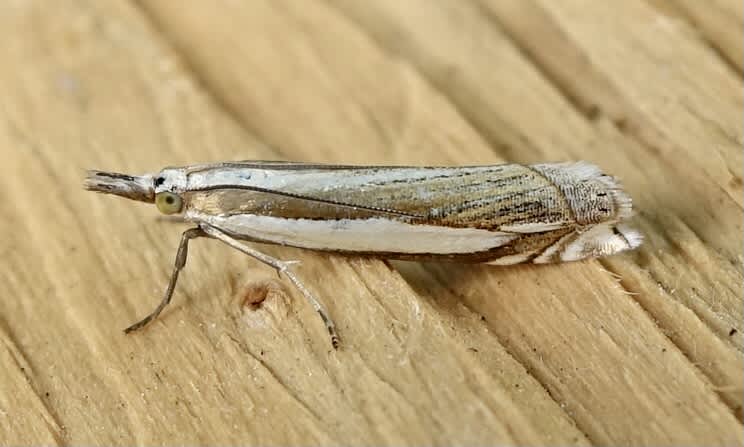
x=451, y=284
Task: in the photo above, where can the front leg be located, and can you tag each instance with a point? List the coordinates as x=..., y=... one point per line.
x=181, y=255
x=282, y=267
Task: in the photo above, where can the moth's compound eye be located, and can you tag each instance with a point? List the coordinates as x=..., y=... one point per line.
x=168, y=203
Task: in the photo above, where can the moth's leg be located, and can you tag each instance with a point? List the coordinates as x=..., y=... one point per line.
x=281, y=267
x=183, y=250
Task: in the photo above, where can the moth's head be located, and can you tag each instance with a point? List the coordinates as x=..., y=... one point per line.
x=159, y=189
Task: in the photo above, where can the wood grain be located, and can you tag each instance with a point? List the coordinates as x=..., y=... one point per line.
x=641, y=349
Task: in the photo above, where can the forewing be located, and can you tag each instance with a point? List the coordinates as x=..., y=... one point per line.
x=502, y=197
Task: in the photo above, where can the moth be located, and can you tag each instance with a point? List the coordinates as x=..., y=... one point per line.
x=499, y=214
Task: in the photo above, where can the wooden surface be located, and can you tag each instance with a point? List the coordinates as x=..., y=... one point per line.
x=643, y=348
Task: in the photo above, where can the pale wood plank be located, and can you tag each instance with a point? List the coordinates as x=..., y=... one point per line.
x=36, y=423
x=564, y=355
x=719, y=21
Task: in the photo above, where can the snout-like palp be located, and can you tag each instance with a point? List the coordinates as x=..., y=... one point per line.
x=135, y=187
